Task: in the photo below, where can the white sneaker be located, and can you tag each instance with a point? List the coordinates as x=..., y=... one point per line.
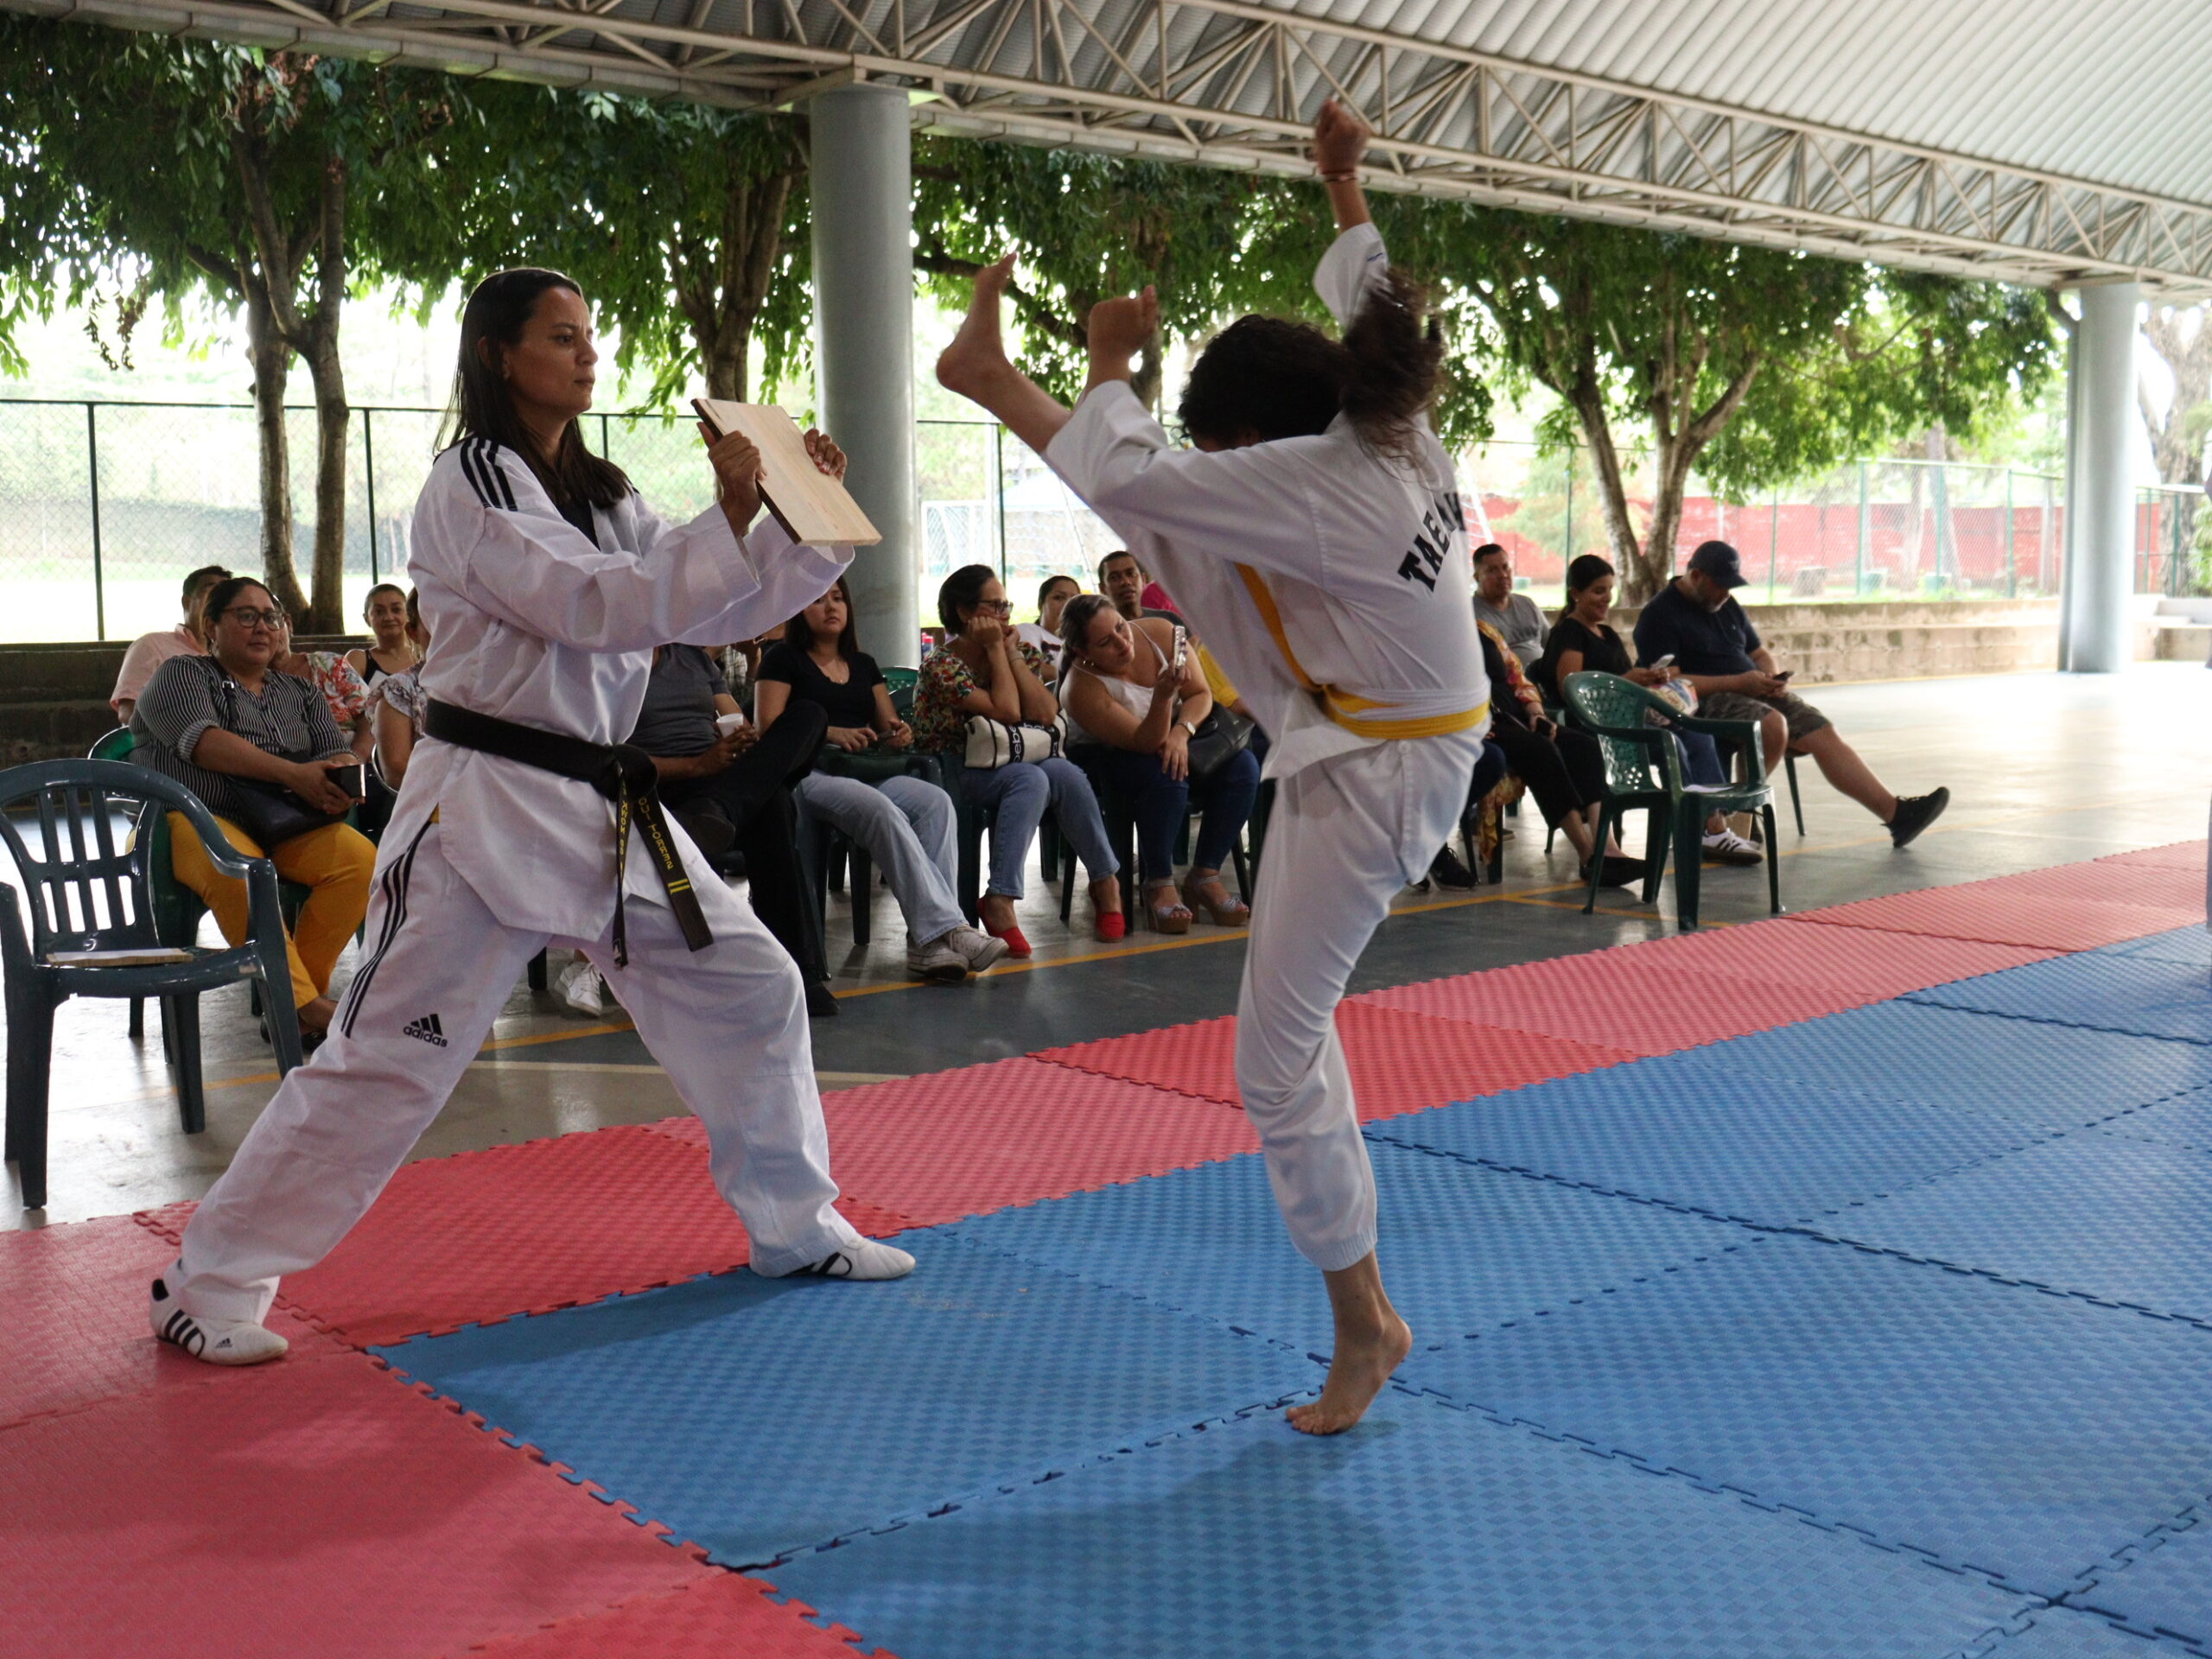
x=937, y=962
x=981, y=950
x=864, y=1258
x=581, y=987
x=219, y=1342
x=1729, y=848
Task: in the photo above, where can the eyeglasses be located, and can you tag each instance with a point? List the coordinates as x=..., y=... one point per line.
x=995, y=607
x=246, y=617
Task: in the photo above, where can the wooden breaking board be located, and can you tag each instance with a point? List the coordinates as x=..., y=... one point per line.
x=809, y=504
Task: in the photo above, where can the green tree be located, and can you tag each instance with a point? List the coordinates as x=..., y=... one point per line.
x=247, y=176
x=1753, y=365
x=687, y=226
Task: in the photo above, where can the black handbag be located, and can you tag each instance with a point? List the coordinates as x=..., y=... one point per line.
x=1221, y=737
x=273, y=815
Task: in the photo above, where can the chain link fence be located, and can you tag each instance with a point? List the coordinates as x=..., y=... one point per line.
x=105, y=506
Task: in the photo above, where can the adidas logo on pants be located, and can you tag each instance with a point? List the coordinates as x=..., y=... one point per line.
x=426, y=1029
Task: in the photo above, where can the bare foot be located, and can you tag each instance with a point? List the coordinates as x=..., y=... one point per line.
x=1356, y=1373
x=316, y=1016
x=977, y=354
x=1106, y=895
x=997, y=911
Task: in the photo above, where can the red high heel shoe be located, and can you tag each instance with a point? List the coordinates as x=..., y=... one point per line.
x=1109, y=928
x=1016, y=945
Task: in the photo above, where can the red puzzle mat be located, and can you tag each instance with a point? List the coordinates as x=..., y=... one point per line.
x=75, y=1328
x=726, y=1617
x=292, y=1510
x=1855, y=961
x=960, y=1143
x=1612, y=998
x=524, y=1229
x=2176, y=855
x=1399, y=1061
x=2005, y=912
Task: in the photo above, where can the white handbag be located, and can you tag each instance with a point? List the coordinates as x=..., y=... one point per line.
x=995, y=743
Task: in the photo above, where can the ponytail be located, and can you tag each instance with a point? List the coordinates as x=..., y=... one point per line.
x=1396, y=358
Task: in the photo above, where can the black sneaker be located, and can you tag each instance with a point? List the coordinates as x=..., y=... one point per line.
x=1915, y=814
x=1447, y=871
x=1620, y=871
x=821, y=1003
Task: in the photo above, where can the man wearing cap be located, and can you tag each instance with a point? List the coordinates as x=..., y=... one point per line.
x=1695, y=622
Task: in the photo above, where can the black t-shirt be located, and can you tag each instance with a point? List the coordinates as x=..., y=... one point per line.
x=579, y=514
x=850, y=704
x=1602, y=651
x=1701, y=641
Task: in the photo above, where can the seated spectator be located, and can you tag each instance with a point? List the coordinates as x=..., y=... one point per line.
x=729, y=785
x=149, y=651
x=1564, y=769
x=1514, y=615
x=396, y=704
x=386, y=611
x=1582, y=641
x=1044, y=632
x=907, y=824
x=1695, y=622
x=221, y=724
x=1125, y=581
x=1120, y=688
x=982, y=669
x=1445, y=870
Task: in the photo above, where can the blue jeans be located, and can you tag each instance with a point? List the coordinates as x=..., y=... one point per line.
x=1017, y=795
x=1701, y=758
x=1158, y=805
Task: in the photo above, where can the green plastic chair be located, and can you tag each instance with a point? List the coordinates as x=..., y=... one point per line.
x=1643, y=772
x=900, y=683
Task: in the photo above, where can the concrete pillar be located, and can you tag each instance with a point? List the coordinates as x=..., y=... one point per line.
x=2100, y=470
x=861, y=195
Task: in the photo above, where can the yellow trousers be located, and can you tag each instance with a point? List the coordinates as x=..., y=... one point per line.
x=337, y=862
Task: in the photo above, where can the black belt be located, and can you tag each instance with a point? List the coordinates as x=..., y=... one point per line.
x=627, y=776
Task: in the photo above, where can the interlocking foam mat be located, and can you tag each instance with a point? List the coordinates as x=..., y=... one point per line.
x=1754, y=1315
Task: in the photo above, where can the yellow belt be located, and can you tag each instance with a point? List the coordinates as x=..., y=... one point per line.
x=1348, y=710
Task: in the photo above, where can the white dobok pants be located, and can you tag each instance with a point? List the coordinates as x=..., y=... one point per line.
x=1348, y=834
x=728, y=1023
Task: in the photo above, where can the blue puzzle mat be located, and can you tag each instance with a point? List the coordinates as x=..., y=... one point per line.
x=1429, y=1534
x=2182, y=1121
x=2042, y=1077
x=1772, y=1154
x=2002, y=1430
x=2166, y=1587
x=2059, y=1633
x=2152, y=996
x=2180, y=944
x=1464, y=1249
x=2124, y=1220
x=757, y=1416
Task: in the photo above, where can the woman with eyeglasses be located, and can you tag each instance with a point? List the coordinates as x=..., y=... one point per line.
x=984, y=668
x=527, y=822
x=228, y=724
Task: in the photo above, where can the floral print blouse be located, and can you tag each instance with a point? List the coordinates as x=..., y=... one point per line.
x=939, y=722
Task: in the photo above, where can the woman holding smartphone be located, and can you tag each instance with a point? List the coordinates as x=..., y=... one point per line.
x=546, y=582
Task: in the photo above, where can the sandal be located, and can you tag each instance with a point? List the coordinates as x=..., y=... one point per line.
x=1169, y=918
x=1223, y=913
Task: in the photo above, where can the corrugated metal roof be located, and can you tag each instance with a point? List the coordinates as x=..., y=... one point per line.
x=2117, y=94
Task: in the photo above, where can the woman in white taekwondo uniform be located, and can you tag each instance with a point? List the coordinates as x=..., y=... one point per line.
x=545, y=583
x=1314, y=538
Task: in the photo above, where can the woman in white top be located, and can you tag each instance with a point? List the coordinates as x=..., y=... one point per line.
x=1316, y=538
x=1121, y=687
x=546, y=582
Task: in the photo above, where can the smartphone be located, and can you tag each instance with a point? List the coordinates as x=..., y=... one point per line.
x=352, y=779
x=1182, y=655
x=1785, y=674
x=1665, y=662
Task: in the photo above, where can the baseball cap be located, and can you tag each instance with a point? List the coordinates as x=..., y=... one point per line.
x=1718, y=560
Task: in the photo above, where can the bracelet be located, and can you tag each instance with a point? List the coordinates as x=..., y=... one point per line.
x=1350, y=177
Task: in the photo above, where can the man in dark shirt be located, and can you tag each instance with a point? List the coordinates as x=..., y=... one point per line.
x=1122, y=579
x=1695, y=622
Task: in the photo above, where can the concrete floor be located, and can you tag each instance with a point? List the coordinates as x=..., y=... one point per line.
x=2044, y=769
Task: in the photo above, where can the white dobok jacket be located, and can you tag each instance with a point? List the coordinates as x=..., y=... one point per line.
x=530, y=622
x=1333, y=583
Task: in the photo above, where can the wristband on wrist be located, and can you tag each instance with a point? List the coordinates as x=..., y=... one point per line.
x=1349, y=177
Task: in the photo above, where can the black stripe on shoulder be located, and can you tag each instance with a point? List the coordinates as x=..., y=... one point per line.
x=468, y=465
x=490, y=453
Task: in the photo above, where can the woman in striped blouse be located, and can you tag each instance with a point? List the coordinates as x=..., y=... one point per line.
x=213, y=721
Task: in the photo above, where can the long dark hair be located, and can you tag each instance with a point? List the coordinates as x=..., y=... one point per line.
x=963, y=591
x=1277, y=379
x=799, y=633
x=498, y=310
x=1585, y=569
